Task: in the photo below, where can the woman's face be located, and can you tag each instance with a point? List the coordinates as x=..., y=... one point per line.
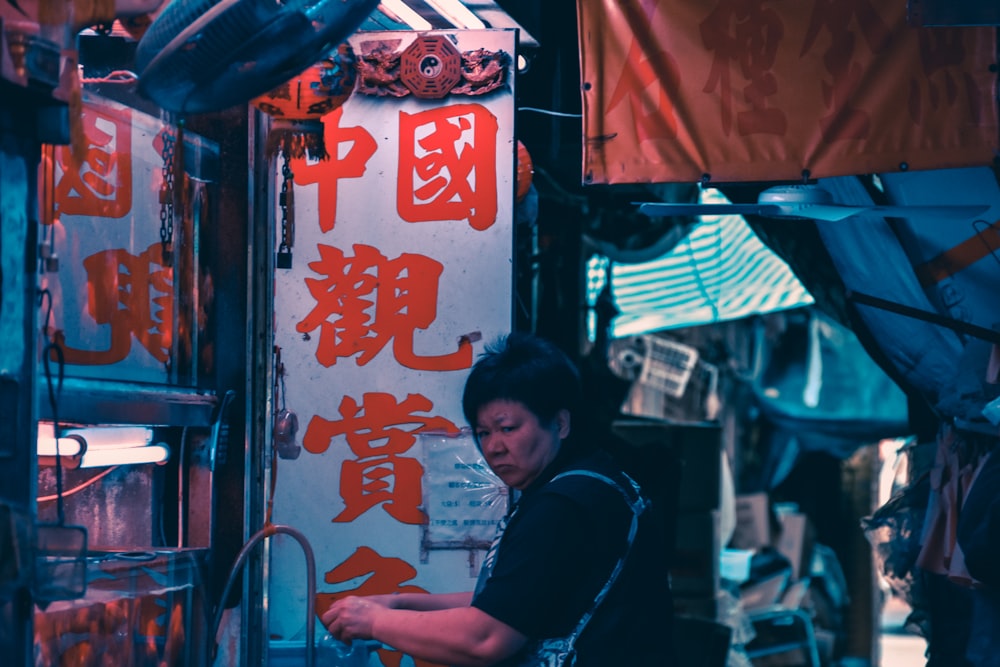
x=516, y=445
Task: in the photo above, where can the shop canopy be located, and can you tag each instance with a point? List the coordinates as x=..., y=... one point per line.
x=424, y=15
x=720, y=271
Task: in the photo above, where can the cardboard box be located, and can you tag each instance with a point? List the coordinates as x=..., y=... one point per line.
x=753, y=522
x=795, y=541
x=765, y=592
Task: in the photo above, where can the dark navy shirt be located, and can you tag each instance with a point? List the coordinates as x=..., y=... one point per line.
x=556, y=554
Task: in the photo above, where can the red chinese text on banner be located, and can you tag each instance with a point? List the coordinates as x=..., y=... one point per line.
x=681, y=90
x=102, y=185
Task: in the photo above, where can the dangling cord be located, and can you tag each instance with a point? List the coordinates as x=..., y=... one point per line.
x=279, y=390
x=54, y=390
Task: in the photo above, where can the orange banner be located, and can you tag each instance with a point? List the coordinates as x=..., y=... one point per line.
x=754, y=90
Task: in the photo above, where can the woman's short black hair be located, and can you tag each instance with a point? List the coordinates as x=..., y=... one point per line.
x=524, y=368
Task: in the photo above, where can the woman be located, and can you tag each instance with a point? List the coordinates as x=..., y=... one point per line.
x=560, y=545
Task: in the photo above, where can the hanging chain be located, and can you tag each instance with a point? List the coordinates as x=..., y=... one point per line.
x=167, y=198
x=286, y=202
x=286, y=172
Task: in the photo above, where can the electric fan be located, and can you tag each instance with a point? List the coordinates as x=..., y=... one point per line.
x=207, y=55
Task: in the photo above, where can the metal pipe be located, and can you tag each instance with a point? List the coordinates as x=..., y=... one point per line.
x=957, y=326
x=260, y=535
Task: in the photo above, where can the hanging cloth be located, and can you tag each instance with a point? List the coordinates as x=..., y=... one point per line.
x=950, y=479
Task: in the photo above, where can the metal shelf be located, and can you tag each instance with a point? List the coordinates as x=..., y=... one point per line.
x=108, y=402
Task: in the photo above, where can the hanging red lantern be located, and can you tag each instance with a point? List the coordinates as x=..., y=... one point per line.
x=525, y=171
x=297, y=106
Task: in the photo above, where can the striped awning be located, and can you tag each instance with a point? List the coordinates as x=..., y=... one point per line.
x=721, y=271
x=423, y=15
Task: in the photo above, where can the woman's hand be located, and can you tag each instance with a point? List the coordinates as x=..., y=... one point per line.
x=353, y=617
x=440, y=628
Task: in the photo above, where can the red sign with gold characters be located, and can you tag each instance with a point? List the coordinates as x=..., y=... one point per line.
x=723, y=91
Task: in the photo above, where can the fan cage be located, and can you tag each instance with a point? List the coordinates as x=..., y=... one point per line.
x=667, y=366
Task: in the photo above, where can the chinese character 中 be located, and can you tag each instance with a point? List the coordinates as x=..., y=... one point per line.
x=327, y=173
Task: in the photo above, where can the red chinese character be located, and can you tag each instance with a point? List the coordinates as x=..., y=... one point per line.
x=102, y=185
x=836, y=16
x=380, y=419
x=454, y=175
x=327, y=173
x=745, y=32
x=391, y=481
x=942, y=53
x=378, y=432
x=368, y=300
x=642, y=70
x=133, y=296
x=382, y=576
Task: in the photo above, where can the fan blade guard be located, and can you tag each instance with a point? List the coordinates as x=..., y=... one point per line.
x=663, y=210
x=207, y=55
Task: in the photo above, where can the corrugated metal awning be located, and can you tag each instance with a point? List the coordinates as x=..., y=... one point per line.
x=445, y=15
x=721, y=271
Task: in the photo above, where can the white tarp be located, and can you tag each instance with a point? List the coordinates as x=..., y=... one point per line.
x=721, y=271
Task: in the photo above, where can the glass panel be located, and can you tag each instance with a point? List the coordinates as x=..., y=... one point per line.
x=120, y=252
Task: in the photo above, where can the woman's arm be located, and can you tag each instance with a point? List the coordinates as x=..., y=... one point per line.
x=423, y=601
x=461, y=635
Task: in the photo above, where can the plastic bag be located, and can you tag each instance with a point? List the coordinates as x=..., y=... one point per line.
x=894, y=530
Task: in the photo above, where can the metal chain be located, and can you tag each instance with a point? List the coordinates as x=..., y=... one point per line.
x=286, y=225
x=167, y=197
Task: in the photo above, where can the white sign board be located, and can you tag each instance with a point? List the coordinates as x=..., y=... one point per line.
x=402, y=271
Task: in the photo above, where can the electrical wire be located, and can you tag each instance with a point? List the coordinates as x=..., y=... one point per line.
x=53, y=348
x=117, y=76
x=78, y=488
x=181, y=523
x=548, y=112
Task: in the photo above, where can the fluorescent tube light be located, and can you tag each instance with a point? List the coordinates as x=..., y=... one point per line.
x=67, y=446
x=125, y=456
x=457, y=13
x=99, y=446
x=113, y=436
x=406, y=14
